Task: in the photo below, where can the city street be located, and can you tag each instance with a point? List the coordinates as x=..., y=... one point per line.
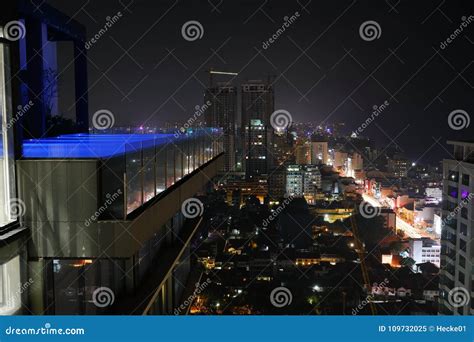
x=408, y=229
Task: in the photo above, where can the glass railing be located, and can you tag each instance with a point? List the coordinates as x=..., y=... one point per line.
x=133, y=168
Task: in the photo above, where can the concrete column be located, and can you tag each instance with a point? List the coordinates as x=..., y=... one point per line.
x=35, y=122
x=81, y=87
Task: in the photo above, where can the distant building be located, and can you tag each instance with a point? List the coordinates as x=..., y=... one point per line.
x=398, y=166
x=258, y=104
x=303, y=154
x=425, y=250
x=339, y=159
x=390, y=219
x=221, y=111
x=319, y=152
x=239, y=191
x=282, y=148
x=294, y=181
x=256, y=149
x=311, y=182
x=357, y=162
x=434, y=195
x=277, y=183
x=349, y=164
x=303, y=181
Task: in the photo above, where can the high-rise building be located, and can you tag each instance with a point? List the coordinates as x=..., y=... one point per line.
x=311, y=182
x=256, y=149
x=303, y=154
x=282, y=148
x=294, y=181
x=303, y=181
x=221, y=111
x=277, y=183
x=457, y=249
x=319, y=152
x=258, y=104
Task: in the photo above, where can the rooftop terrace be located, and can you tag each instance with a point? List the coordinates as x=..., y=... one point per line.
x=100, y=146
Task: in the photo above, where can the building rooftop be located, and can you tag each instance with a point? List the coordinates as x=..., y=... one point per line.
x=96, y=146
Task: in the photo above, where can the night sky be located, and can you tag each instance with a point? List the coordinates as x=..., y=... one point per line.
x=145, y=72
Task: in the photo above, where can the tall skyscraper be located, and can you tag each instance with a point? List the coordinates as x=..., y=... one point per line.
x=221, y=112
x=256, y=149
x=457, y=250
x=258, y=104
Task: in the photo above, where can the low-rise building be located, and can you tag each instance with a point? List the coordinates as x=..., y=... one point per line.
x=425, y=250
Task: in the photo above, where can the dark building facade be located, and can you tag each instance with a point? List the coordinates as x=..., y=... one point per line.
x=258, y=104
x=28, y=36
x=222, y=112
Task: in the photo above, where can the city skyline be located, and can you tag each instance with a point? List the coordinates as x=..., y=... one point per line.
x=151, y=164
x=323, y=70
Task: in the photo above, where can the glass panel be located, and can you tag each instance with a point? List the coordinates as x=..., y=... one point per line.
x=113, y=171
x=170, y=177
x=186, y=160
x=192, y=153
x=160, y=168
x=178, y=146
x=134, y=178
x=148, y=173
